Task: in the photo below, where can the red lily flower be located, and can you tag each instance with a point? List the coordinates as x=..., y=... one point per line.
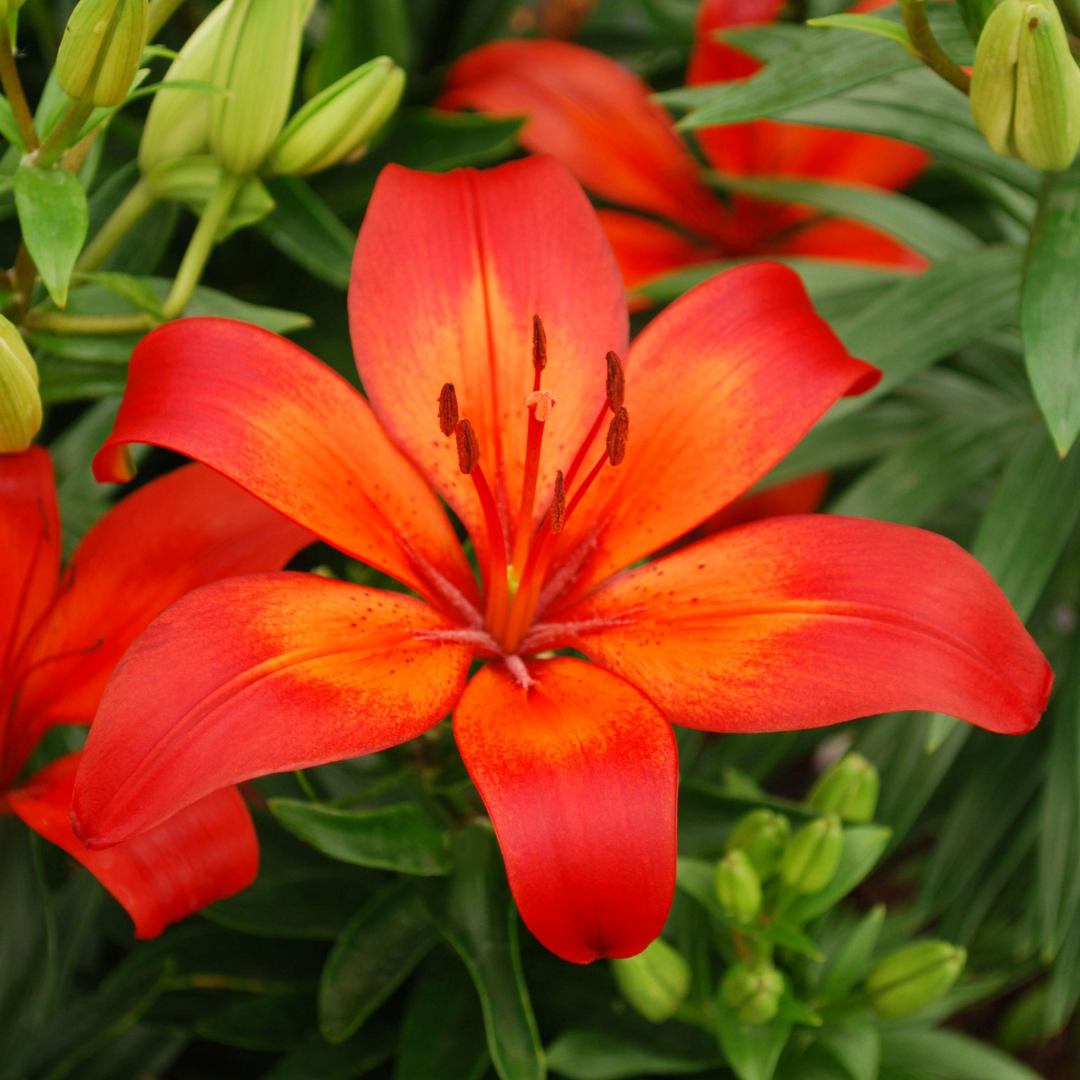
x=61, y=635
x=786, y=623
x=598, y=118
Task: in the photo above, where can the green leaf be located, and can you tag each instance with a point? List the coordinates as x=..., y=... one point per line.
x=863, y=846
x=8, y=128
x=54, y=219
x=920, y=108
x=855, y=1044
x=207, y=301
x=302, y=227
x=925, y=318
x=442, y=1032
x=916, y=224
x=273, y=1021
x=845, y=969
x=595, y=1055
x=752, y=1051
x=826, y=64
x=1057, y=883
x=371, y=958
x=400, y=837
x=474, y=911
x=1029, y=519
x=63, y=381
x=136, y=291
x=950, y=1056
x=868, y=24
x=316, y=1059
x=317, y=906
x=1049, y=312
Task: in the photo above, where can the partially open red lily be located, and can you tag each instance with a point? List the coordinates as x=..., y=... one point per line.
x=597, y=117
x=565, y=466
x=61, y=635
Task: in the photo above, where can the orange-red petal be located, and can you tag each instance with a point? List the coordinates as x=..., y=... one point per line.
x=184, y=530
x=579, y=774
x=255, y=675
x=205, y=853
x=596, y=117
x=719, y=387
x=798, y=622
x=29, y=546
x=272, y=418
x=645, y=249
x=801, y=496
x=449, y=271
x=841, y=238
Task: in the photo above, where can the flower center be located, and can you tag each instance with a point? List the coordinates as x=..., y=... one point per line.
x=514, y=578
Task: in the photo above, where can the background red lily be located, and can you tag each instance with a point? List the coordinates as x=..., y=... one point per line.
x=597, y=117
x=61, y=635
x=791, y=622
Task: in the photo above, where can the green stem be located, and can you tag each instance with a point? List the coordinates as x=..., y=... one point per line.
x=305, y=785
x=52, y=939
x=930, y=52
x=59, y=322
x=161, y=11
x=13, y=91
x=202, y=243
x=61, y=136
x=122, y=220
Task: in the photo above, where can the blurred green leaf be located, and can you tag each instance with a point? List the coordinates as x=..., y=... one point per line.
x=8, y=128
x=855, y=1044
x=442, y=1032
x=316, y=1059
x=54, y=219
x=356, y=33
x=925, y=318
x=867, y=24
x=136, y=291
x=371, y=958
x=596, y=1055
x=950, y=1056
x=474, y=911
x=846, y=967
x=928, y=231
x=863, y=846
x=401, y=837
x=61, y=380
x=1049, y=312
x=302, y=227
x=752, y=1051
x=272, y=1021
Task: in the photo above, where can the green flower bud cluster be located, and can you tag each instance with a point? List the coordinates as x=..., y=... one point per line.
x=250, y=50
x=1025, y=89
x=655, y=982
x=20, y=404
x=913, y=978
x=850, y=788
x=738, y=886
x=812, y=855
x=753, y=992
x=100, y=52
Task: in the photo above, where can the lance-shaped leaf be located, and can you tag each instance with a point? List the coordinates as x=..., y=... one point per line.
x=399, y=837
x=374, y=954
x=1049, y=311
x=52, y=213
x=752, y=1051
x=580, y=1054
x=473, y=909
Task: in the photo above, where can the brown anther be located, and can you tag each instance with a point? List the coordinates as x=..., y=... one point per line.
x=557, y=513
x=539, y=344
x=617, y=433
x=448, y=410
x=468, y=447
x=616, y=382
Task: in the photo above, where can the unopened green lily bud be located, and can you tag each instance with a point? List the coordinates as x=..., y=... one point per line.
x=909, y=980
x=1025, y=89
x=179, y=120
x=850, y=788
x=192, y=180
x=753, y=992
x=339, y=122
x=101, y=48
x=737, y=886
x=762, y=834
x=812, y=855
x=655, y=982
x=20, y=404
x=255, y=66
